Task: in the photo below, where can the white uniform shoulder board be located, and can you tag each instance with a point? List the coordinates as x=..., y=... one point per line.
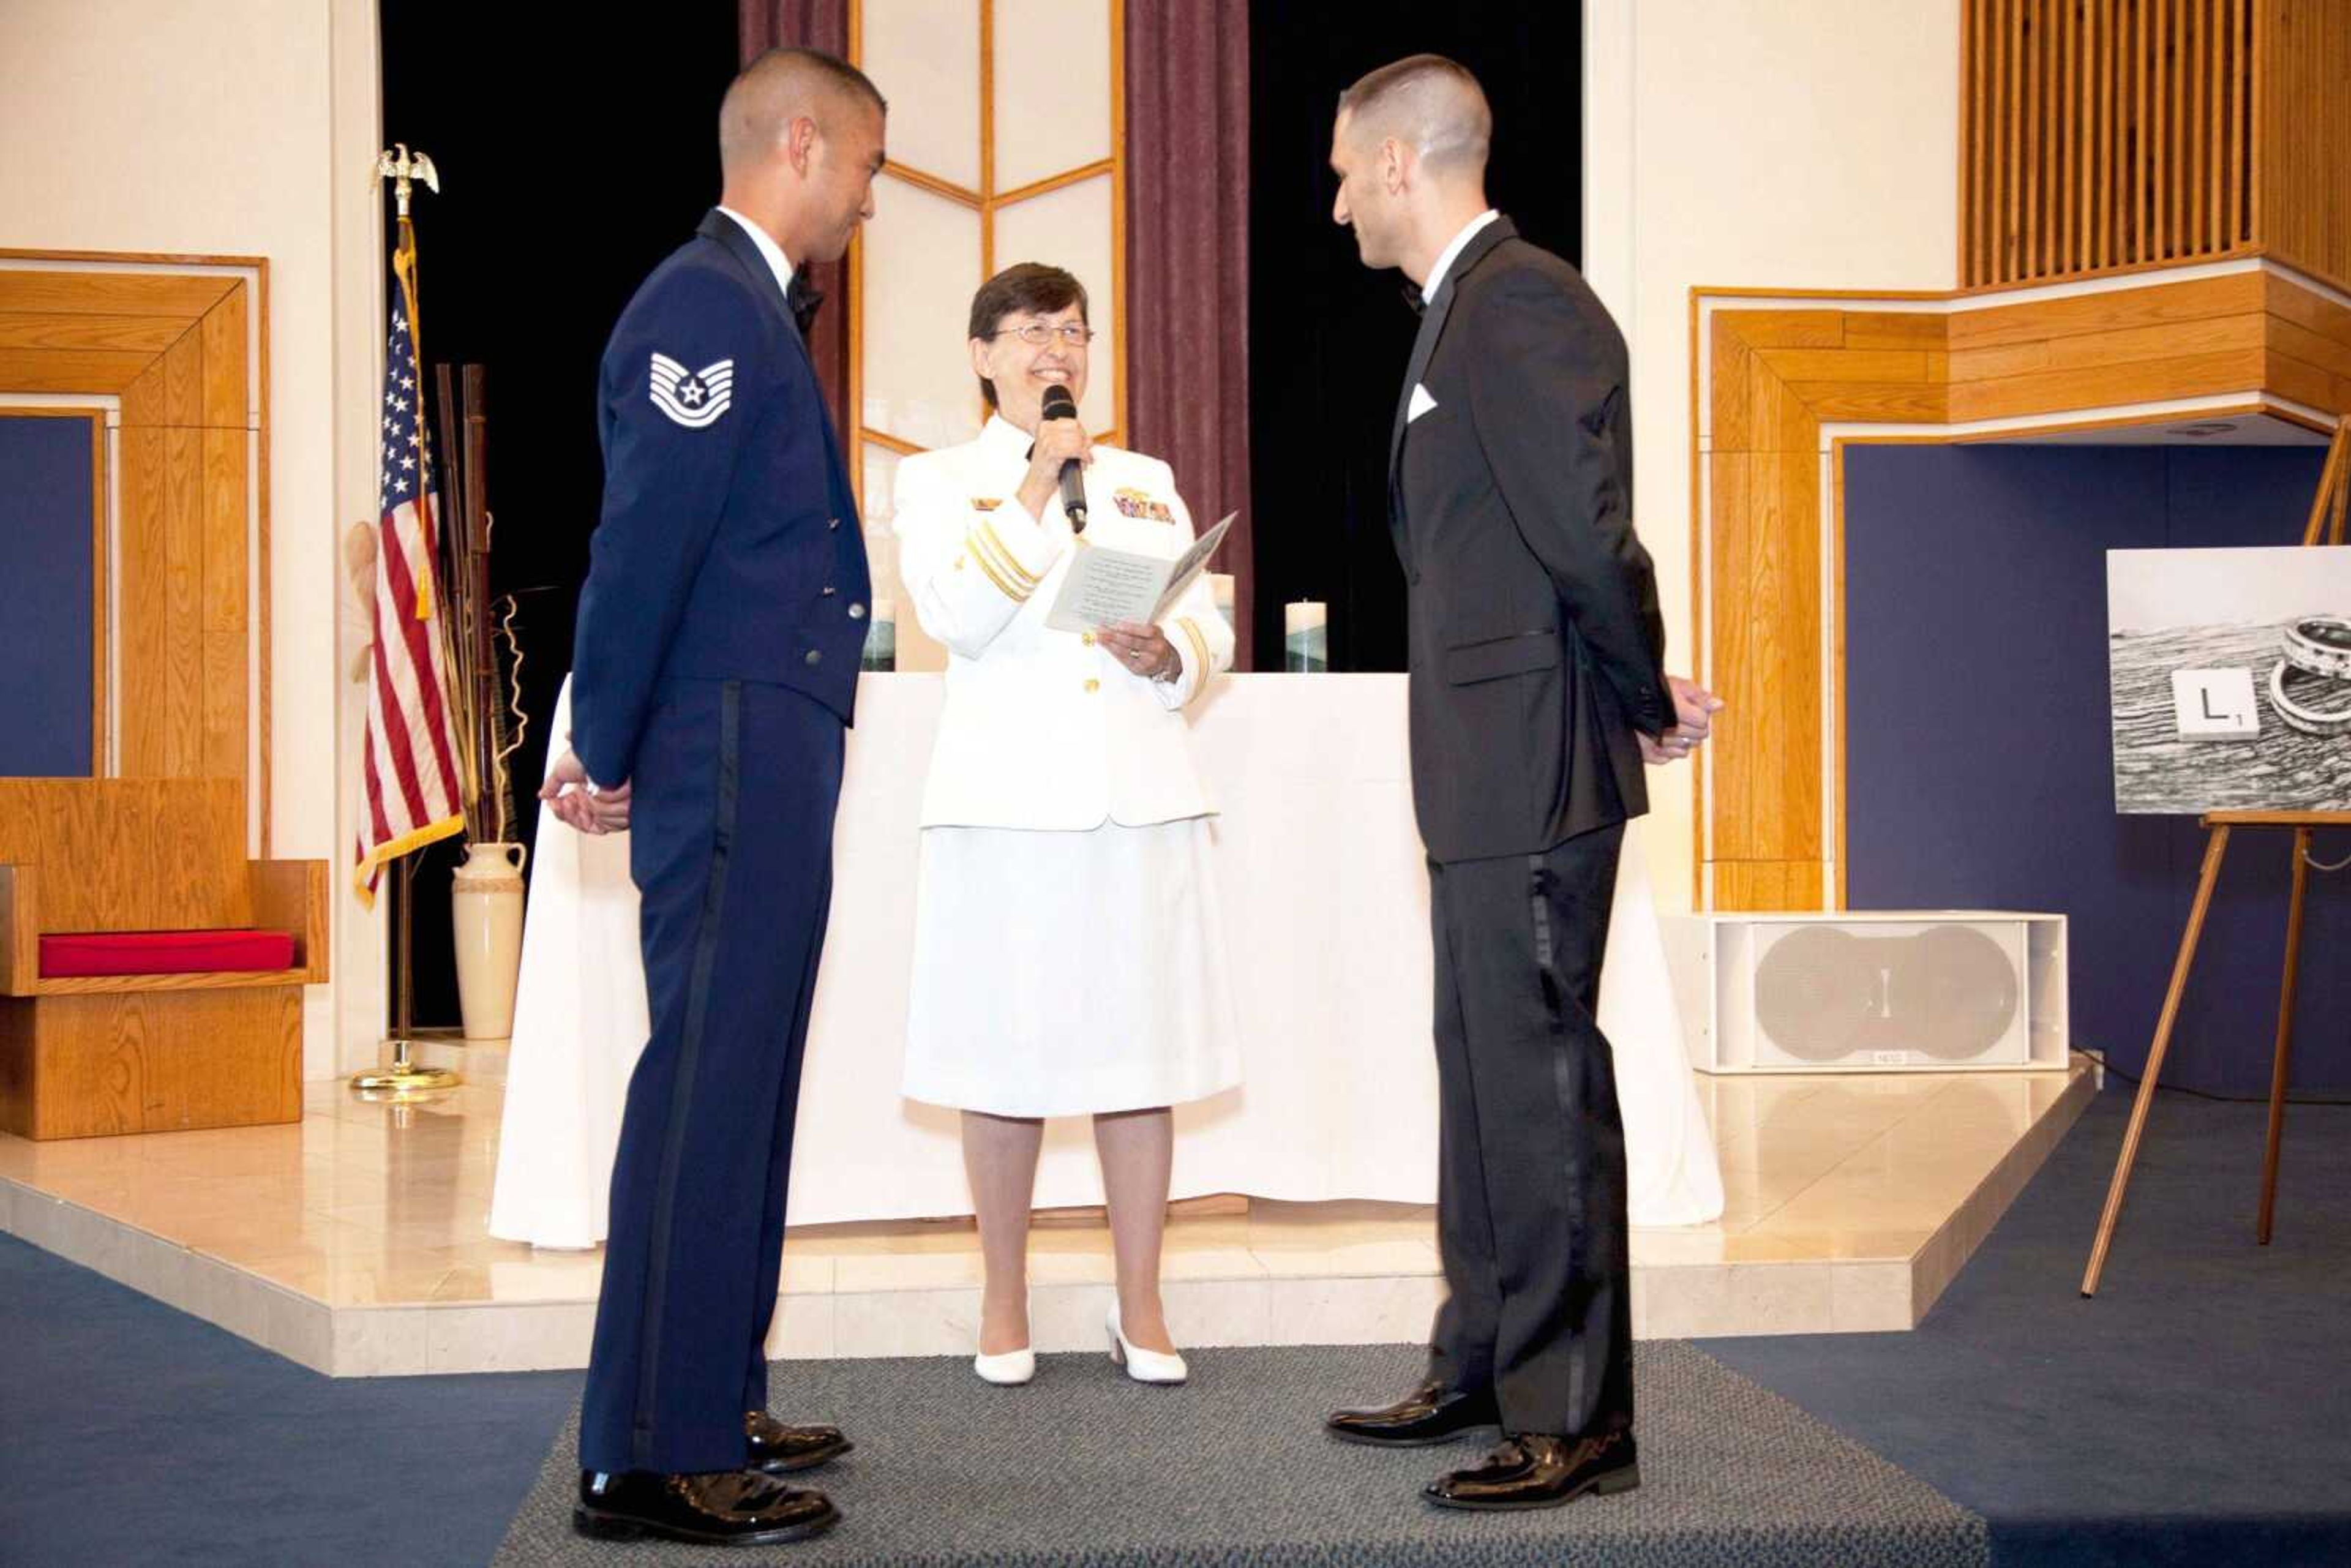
x=694, y=399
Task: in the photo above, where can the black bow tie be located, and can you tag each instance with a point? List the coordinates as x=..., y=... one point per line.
x=802, y=302
x=1414, y=298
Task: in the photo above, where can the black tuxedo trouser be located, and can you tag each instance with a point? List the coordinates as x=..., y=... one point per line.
x=1530, y=1184
x=731, y=848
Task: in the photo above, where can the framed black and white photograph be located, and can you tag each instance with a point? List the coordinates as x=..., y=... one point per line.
x=2230, y=675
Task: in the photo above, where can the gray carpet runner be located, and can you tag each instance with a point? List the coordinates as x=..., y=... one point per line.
x=1084, y=1467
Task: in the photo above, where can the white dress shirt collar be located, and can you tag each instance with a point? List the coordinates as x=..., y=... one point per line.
x=1445, y=258
x=1001, y=436
x=778, y=262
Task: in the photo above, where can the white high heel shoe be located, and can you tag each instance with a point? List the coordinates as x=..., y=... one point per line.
x=1143, y=1365
x=1009, y=1369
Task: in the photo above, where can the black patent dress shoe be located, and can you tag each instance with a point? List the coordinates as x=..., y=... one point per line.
x=1430, y=1413
x=780, y=1449
x=719, y=1508
x=1535, y=1470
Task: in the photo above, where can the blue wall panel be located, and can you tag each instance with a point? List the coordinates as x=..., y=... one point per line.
x=47, y=536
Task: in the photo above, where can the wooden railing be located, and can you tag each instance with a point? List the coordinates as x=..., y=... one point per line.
x=2103, y=135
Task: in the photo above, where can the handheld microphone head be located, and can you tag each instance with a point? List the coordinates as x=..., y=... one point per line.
x=1060, y=405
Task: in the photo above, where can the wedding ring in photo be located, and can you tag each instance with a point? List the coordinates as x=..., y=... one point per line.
x=2320, y=644
x=2310, y=721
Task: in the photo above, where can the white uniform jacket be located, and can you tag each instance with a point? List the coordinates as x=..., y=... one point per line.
x=1045, y=729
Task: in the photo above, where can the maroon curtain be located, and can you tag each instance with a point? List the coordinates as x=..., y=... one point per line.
x=815, y=24
x=1187, y=263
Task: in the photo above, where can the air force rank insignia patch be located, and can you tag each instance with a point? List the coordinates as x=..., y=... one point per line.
x=694, y=399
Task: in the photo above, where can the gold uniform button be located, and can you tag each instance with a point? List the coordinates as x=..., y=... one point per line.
x=958, y=564
x=1087, y=638
x=1092, y=685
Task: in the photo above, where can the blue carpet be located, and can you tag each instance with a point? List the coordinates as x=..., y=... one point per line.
x=135, y=1434
x=2198, y=1411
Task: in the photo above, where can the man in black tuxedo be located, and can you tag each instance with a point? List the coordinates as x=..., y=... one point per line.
x=1537, y=692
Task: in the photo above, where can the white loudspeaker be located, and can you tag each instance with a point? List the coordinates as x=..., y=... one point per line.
x=1868, y=991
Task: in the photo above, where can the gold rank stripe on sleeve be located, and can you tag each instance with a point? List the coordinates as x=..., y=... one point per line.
x=1006, y=559
x=1014, y=583
x=1199, y=650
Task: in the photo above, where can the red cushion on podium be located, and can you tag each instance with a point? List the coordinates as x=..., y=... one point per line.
x=163, y=953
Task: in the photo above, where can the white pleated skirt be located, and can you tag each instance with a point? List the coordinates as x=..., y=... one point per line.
x=1061, y=974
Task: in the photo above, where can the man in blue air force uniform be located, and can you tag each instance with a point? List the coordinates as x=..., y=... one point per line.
x=715, y=672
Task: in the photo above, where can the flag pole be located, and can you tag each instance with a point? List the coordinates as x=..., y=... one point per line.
x=405, y=1076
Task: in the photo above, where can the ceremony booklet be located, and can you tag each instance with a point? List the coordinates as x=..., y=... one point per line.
x=1105, y=585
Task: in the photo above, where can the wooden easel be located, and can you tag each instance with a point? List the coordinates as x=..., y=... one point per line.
x=2326, y=520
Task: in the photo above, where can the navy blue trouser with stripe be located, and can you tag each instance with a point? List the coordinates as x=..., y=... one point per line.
x=1531, y=1186
x=731, y=848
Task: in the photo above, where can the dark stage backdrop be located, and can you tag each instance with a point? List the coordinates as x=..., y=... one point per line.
x=1328, y=339
x=570, y=164
x=1980, y=767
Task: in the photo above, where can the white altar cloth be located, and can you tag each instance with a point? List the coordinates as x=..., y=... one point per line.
x=1326, y=895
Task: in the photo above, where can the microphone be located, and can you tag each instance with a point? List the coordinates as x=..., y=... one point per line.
x=1060, y=405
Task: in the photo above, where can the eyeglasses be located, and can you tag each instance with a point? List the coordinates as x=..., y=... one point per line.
x=1076, y=334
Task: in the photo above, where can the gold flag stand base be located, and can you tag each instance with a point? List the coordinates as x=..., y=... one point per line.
x=405, y=1078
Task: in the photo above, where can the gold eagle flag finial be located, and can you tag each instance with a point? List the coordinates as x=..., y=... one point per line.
x=402, y=168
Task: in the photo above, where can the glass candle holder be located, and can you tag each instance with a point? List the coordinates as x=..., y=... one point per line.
x=881, y=638
x=1306, y=636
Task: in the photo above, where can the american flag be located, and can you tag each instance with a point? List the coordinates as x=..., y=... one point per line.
x=409, y=783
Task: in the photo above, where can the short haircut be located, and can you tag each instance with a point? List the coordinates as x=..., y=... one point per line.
x=778, y=88
x=1030, y=287
x=1429, y=101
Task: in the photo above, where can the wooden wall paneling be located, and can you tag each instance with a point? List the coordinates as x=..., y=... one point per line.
x=2120, y=346
x=2100, y=386
x=2011, y=255
x=183, y=380
x=182, y=719
x=222, y=743
x=1766, y=637
x=57, y=329
x=223, y=532
x=139, y=638
x=2151, y=305
x=71, y=370
x=224, y=519
x=2141, y=161
x=142, y=400
x=223, y=334
x=1777, y=372
x=183, y=295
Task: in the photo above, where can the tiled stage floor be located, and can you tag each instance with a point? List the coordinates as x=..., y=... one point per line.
x=354, y=1242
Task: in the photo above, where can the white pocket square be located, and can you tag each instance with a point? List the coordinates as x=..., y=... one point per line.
x=1421, y=402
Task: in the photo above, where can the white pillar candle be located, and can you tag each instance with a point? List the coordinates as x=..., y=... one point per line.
x=1305, y=635
x=1220, y=593
x=882, y=637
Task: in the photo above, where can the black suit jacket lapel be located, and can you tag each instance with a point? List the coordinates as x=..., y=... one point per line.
x=1432, y=327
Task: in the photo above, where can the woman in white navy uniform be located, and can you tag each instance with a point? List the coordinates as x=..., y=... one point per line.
x=1069, y=956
